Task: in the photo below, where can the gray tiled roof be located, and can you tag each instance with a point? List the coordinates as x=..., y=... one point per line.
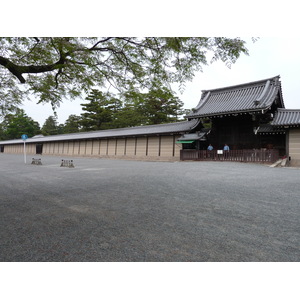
x=192, y=136
x=286, y=117
x=179, y=127
x=269, y=129
x=252, y=96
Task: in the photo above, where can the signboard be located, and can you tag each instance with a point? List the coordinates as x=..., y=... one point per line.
x=220, y=151
x=24, y=137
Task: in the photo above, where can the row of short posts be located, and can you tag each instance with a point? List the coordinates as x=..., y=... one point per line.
x=67, y=163
x=64, y=162
x=36, y=161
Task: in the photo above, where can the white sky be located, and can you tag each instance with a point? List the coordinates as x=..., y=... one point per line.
x=269, y=56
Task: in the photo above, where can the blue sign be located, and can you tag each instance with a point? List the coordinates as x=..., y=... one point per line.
x=24, y=137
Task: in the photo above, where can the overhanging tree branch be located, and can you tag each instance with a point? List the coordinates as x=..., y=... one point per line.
x=18, y=70
x=120, y=61
x=12, y=68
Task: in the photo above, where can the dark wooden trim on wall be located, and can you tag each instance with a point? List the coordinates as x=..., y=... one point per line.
x=125, y=146
x=173, y=153
x=159, y=145
x=147, y=145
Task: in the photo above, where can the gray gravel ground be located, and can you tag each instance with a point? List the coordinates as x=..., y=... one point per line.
x=117, y=210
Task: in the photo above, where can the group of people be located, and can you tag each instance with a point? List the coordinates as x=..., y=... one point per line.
x=225, y=148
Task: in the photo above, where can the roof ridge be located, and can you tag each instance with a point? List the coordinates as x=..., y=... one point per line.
x=242, y=84
x=120, y=128
x=141, y=126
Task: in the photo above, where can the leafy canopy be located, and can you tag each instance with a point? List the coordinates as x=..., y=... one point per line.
x=56, y=68
x=72, y=124
x=14, y=125
x=156, y=106
x=50, y=126
x=132, y=108
x=99, y=111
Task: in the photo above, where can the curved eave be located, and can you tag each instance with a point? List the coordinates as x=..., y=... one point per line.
x=247, y=98
x=229, y=113
x=287, y=118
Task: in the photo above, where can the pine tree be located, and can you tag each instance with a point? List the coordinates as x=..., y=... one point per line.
x=72, y=124
x=50, y=126
x=100, y=111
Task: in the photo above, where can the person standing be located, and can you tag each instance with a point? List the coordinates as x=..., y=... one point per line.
x=226, y=147
x=226, y=151
x=209, y=151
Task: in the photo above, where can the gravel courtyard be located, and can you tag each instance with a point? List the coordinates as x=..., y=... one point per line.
x=118, y=210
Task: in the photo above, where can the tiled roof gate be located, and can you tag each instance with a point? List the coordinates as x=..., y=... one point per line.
x=255, y=96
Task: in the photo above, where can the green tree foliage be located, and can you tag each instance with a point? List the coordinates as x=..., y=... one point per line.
x=61, y=129
x=50, y=126
x=2, y=132
x=72, y=124
x=56, y=68
x=99, y=111
x=105, y=110
x=128, y=116
x=158, y=105
x=14, y=125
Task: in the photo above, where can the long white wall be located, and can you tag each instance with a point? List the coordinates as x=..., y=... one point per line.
x=146, y=147
x=19, y=148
